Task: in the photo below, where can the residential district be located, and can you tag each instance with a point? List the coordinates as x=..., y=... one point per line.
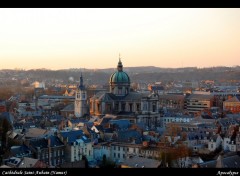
x=181, y=124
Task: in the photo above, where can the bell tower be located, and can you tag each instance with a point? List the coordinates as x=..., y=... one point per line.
x=80, y=105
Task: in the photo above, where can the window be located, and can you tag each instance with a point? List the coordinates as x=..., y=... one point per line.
x=118, y=155
x=138, y=107
x=78, y=95
x=130, y=107
x=123, y=155
x=118, y=148
x=145, y=106
x=116, y=107
x=98, y=107
x=154, y=108
x=123, y=107
x=114, y=155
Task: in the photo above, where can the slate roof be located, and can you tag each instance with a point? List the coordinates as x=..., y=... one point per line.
x=99, y=94
x=108, y=130
x=104, y=120
x=43, y=142
x=35, y=132
x=228, y=162
x=200, y=96
x=72, y=135
x=22, y=149
x=126, y=136
x=13, y=161
x=4, y=166
x=108, y=136
x=135, y=96
x=139, y=162
x=233, y=99
x=99, y=127
x=83, y=139
x=27, y=125
x=196, y=135
x=121, y=124
x=69, y=107
x=105, y=96
x=93, y=119
x=76, y=121
x=28, y=162
x=171, y=96
x=141, y=125
x=226, y=122
x=56, y=118
x=55, y=97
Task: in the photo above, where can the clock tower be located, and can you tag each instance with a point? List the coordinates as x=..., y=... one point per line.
x=80, y=105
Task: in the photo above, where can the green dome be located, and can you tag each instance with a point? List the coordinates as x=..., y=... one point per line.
x=119, y=77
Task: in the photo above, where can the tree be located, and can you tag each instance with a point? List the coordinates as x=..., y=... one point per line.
x=181, y=153
x=173, y=129
x=5, y=127
x=106, y=163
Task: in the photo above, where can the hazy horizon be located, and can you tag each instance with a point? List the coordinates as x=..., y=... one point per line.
x=92, y=38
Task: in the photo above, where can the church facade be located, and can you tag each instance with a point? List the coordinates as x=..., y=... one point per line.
x=126, y=104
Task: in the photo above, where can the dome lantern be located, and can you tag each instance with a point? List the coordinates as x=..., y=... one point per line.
x=119, y=81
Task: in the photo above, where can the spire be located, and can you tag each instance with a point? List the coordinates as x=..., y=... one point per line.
x=81, y=86
x=119, y=66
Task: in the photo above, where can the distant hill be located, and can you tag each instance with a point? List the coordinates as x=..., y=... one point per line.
x=153, y=69
x=137, y=74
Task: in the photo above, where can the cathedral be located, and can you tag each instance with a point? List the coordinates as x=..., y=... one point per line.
x=124, y=103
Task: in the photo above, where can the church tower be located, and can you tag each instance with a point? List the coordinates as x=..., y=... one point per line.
x=80, y=105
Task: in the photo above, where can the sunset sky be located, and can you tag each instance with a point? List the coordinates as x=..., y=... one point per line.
x=93, y=38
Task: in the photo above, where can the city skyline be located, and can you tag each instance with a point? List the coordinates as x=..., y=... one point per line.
x=93, y=38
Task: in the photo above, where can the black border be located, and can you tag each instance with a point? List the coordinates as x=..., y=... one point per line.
x=126, y=4
x=123, y=4
x=125, y=172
